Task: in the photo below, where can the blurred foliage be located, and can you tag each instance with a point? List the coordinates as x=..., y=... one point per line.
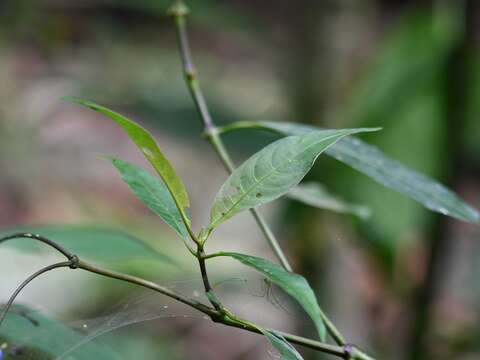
x=472, y=128
x=33, y=332
x=404, y=93
x=123, y=53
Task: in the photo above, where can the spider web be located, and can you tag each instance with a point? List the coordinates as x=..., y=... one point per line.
x=147, y=307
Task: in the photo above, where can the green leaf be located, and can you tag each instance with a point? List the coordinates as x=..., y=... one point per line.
x=286, y=351
x=38, y=333
x=153, y=193
x=390, y=173
x=88, y=242
x=316, y=195
x=293, y=284
x=148, y=146
x=272, y=172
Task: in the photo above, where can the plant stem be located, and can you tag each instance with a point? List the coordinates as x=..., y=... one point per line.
x=203, y=270
x=41, y=239
x=179, y=11
x=206, y=282
x=210, y=130
x=32, y=277
x=217, y=315
x=147, y=284
x=345, y=352
x=267, y=232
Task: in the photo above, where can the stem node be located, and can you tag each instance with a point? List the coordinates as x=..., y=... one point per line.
x=190, y=74
x=74, y=262
x=178, y=10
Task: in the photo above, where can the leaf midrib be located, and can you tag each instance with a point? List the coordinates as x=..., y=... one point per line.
x=158, y=201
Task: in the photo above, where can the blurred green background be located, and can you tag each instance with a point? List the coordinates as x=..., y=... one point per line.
x=402, y=284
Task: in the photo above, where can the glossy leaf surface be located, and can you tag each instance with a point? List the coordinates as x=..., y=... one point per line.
x=148, y=146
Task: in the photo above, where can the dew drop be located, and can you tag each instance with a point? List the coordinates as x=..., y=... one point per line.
x=84, y=326
x=165, y=307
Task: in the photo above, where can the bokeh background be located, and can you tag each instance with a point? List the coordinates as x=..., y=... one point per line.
x=402, y=284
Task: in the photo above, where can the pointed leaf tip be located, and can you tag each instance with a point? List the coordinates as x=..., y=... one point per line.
x=150, y=149
x=386, y=171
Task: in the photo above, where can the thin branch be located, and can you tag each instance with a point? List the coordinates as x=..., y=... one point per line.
x=179, y=12
x=32, y=277
x=149, y=285
x=42, y=239
x=222, y=318
x=268, y=234
x=212, y=297
x=217, y=316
